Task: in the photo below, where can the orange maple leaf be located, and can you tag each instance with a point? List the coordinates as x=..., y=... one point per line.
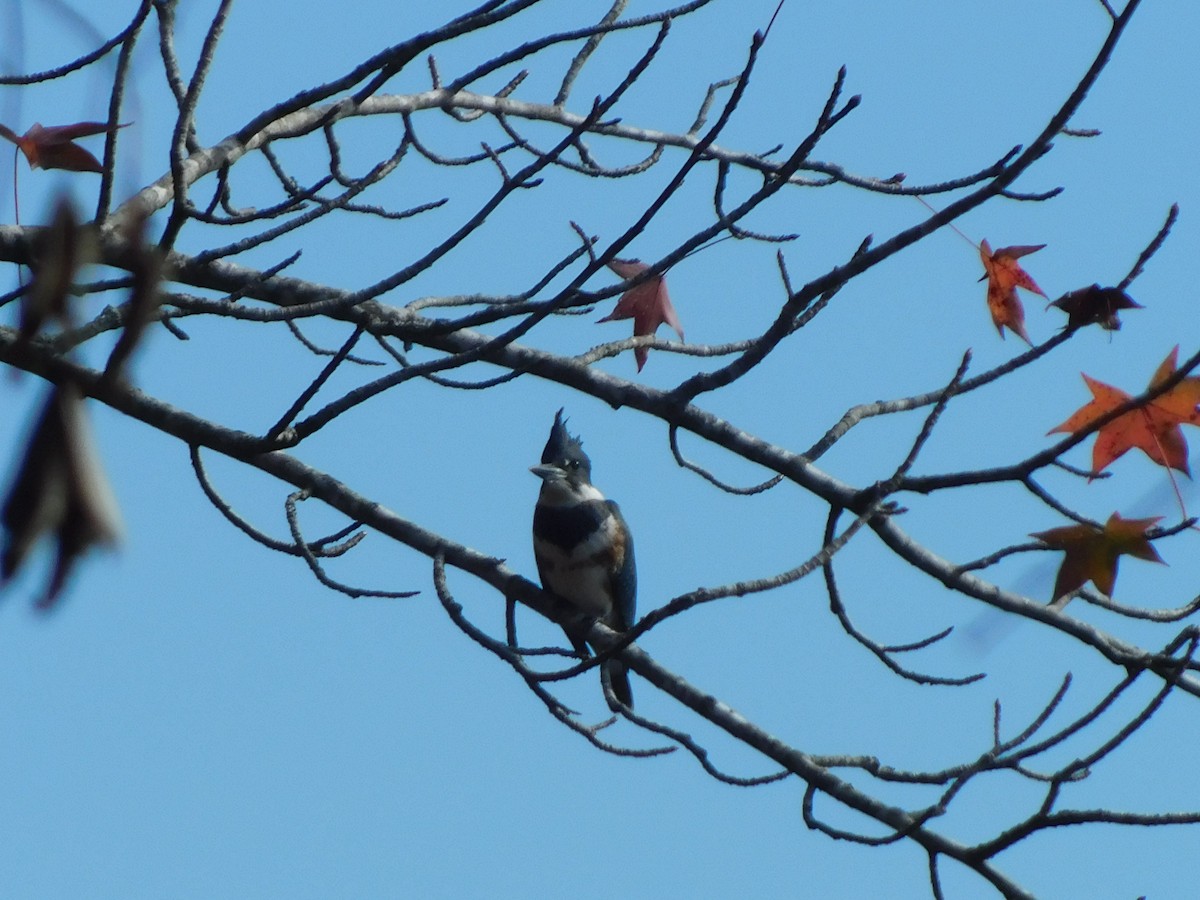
x=1092, y=553
x=1004, y=275
x=54, y=147
x=648, y=304
x=1153, y=428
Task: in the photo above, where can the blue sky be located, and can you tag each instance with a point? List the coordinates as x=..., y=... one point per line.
x=200, y=718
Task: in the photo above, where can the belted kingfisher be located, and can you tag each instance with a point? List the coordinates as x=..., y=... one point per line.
x=582, y=545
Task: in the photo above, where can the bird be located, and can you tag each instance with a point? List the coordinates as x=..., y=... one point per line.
x=583, y=548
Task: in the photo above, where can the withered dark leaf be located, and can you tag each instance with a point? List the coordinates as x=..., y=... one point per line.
x=60, y=489
x=145, y=266
x=60, y=251
x=1095, y=305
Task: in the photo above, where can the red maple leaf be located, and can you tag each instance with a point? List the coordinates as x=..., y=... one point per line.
x=1004, y=275
x=54, y=147
x=1153, y=428
x=648, y=304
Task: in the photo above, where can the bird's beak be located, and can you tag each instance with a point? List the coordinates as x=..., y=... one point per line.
x=548, y=472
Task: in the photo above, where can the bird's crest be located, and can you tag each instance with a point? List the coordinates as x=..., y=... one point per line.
x=562, y=445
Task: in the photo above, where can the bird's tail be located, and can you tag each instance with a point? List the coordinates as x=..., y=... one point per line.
x=617, y=676
x=613, y=673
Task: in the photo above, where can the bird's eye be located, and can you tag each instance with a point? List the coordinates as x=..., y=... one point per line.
x=572, y=464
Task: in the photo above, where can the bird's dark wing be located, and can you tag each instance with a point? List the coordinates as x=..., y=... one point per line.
x=624, y=582
x=624, y=611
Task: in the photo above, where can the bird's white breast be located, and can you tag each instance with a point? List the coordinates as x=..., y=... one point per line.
x=582, y=576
